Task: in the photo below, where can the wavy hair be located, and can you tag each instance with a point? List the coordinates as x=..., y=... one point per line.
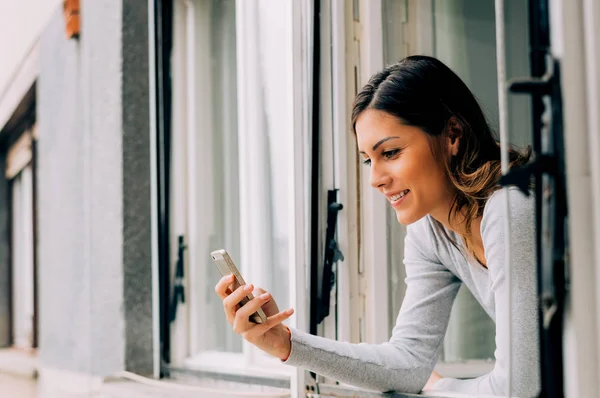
x=423, y=92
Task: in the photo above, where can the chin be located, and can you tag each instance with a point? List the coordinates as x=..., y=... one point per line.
x=407, y=218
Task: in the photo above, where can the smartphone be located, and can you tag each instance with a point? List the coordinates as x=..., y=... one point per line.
x=226, y=267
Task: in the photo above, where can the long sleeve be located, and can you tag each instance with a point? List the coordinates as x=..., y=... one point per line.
x=525, y=353
x=407, y=360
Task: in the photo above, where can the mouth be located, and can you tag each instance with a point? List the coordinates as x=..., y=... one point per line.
x=397, y=198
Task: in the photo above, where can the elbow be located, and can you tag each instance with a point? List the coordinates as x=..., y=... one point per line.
x=411, y=383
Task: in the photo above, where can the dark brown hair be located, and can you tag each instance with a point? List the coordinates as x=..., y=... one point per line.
x=423, y=92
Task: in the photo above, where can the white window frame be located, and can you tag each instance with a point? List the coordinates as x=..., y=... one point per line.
x=297, y=60
x=345, y=165
x=22, y=261
x=374, y=256
x=327, y=178
x=338, y=160
x=180, y=341
x=575, y=30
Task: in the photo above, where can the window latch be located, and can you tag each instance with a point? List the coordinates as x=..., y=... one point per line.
x=332, y=255
x=178, y=287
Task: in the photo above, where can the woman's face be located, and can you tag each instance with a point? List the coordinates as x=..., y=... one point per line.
x=403, y=167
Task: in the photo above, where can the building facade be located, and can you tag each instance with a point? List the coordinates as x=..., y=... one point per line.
x=165, y=129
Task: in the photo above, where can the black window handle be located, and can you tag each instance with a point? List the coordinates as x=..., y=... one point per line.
x=178, y=288
x=332, y=255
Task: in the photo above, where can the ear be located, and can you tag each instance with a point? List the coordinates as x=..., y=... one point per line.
x=454, y=130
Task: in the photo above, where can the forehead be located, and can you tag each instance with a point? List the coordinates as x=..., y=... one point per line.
x=374, y=125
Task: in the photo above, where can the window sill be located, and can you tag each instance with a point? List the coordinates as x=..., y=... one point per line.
x=330, y=390
x=233, y=367
x=466, y=369
x=19, y=363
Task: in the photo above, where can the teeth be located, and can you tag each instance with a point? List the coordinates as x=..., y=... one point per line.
x=399, y=196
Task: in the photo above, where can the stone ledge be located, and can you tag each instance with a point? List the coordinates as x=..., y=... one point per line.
x=19, y=363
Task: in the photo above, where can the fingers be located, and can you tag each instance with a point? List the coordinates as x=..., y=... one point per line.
x=238, y=316
x=252, y=306
x=272, y=321
x=222, y=286
x=231, y=303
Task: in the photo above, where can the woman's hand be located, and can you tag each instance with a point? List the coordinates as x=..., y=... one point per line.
x=434, y=378
x=272, y=337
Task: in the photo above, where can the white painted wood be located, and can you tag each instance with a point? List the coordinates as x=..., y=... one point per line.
x=591, y=31
x=298, y=58
x=178, y=196
x=152, y=76
x=193, y=284
x=374, y=217
x=572, y=29
x=22, y=259
x=232, y=363
x=328, y=327
x=345, y=163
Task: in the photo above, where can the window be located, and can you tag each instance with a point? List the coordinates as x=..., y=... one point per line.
x=240, y=160
x=19, y=171
x=205, y=195
x=461, y=33
x=236, y=169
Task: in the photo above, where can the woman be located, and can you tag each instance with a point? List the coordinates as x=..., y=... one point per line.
x=434, y=157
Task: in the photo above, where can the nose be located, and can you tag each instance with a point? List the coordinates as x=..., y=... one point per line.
x=379, y=178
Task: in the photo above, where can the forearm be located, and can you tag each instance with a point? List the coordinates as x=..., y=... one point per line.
x=379, y=367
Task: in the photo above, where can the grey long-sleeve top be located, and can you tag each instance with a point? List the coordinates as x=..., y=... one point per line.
x=435, y=268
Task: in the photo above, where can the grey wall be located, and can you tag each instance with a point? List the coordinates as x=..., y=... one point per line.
x=136, y=189
x=64, y=266
x=94, y=228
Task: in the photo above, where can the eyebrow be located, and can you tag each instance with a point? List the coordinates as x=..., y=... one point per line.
x=381, y=142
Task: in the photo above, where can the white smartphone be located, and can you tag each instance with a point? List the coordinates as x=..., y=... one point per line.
x=226, y=267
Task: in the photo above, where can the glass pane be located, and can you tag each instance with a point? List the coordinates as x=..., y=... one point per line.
x=395, y=16
x=230, y=168
x=220, y=221
x=205, y=204
x=463, y=33
x=464, y=39
x=265, y=135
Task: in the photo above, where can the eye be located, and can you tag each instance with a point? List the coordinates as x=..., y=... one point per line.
x=391, y=153
x=366, y=161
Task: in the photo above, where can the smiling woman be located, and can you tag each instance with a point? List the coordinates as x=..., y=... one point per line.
x=403, y=167
x=434, y=157
x=453, y=155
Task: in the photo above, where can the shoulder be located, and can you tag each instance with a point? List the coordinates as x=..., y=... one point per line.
x=520, y=211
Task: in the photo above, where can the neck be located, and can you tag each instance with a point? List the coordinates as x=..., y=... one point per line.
x=457, y=223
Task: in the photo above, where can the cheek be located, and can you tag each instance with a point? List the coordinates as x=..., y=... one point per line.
x=419, y=169
x=425, y=175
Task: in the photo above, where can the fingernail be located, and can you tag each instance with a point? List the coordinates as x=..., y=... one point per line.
x=264, y=295
x=248, y=288
x=289, y=311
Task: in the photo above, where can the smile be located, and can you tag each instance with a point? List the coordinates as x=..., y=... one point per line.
x=396, y=199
